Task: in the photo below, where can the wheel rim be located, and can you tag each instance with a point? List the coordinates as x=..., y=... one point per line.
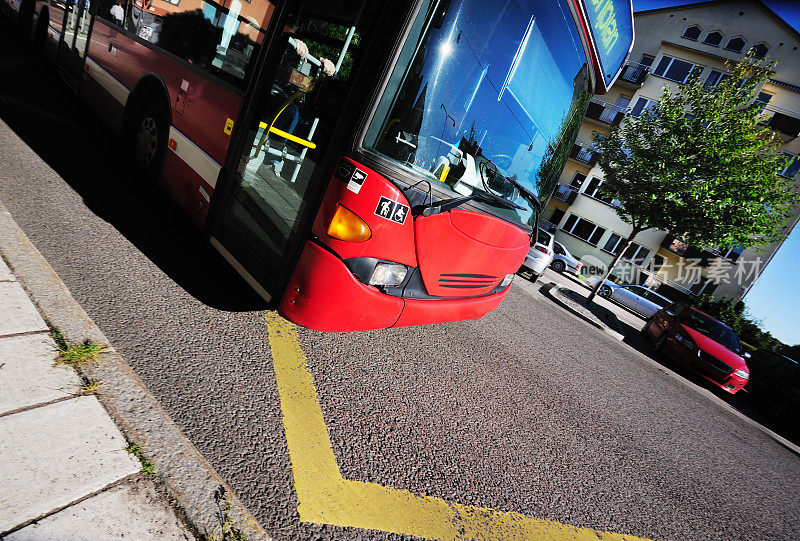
x=605, y=291
x=146, y=142
x=558, y=266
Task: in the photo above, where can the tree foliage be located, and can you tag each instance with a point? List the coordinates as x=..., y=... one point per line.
x=699, y=164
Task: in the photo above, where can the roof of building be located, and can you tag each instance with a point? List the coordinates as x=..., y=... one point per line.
x=758, y=3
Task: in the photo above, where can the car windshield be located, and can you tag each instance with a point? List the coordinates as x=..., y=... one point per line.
x=543, y=237
x=486, y=96
x=713, y=329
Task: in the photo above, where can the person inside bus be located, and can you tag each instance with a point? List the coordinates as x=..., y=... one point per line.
x=290, y=85
x=117, y=12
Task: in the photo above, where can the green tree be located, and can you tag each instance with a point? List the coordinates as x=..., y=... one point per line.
x=699, y=164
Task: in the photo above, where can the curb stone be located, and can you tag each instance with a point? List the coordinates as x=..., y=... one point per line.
x=189, y=479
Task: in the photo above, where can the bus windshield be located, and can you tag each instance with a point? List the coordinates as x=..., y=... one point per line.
x=486, y=96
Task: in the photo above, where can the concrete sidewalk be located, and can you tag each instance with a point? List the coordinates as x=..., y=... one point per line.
x=64, y=470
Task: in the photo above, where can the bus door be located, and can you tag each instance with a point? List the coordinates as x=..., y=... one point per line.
x=74, y=40
x=260, y=211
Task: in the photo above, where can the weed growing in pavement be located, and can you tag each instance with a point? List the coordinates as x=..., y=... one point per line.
x=147, y=466
x=228, y=531
x=89, y=386
x=76, y=355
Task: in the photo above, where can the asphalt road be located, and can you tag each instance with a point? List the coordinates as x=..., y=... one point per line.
x=525, y=410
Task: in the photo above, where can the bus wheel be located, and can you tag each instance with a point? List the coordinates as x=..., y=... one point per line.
x=148, y=142
x=40, y=37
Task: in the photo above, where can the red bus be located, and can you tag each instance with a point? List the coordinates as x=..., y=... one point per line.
x=362, y=164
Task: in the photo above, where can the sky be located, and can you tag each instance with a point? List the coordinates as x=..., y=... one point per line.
x=775, y=298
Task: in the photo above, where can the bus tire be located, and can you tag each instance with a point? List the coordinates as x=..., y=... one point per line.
x=25, y=18
x=40, y=36
x=147, y=141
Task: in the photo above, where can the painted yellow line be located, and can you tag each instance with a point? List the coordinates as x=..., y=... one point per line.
x=324, y=497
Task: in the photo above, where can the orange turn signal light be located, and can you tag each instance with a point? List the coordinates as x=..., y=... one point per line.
x=346, y=225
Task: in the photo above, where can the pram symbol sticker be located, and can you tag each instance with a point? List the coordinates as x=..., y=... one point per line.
x=356, y=180
x=391, y=210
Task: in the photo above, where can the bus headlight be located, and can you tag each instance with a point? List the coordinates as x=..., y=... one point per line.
x=388, y=274
x=507, y=280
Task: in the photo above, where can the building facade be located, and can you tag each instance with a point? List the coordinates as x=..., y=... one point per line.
x=672, y=45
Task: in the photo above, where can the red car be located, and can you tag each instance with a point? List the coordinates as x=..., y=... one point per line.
x=701, y=343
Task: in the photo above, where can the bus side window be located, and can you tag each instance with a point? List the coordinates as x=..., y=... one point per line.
x=220, y=40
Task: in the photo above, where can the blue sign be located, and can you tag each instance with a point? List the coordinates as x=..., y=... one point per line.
x=611, y=25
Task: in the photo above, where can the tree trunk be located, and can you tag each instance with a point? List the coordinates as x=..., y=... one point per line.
x=613, y=265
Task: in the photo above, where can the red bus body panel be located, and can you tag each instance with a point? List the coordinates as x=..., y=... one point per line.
x=323, y=294
x=465, y=253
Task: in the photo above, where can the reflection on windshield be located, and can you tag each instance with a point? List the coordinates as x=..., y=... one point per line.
x=485, y=96
x=713, y=329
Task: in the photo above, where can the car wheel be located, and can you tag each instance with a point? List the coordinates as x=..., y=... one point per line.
x=659, y=345
x=558, y=266
x=147, y=143
x=605, y=292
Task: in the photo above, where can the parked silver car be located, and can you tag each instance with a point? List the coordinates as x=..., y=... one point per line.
x=637, y=298
x=563, y=260
x=539, y=256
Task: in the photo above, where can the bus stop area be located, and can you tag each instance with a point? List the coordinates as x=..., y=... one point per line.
x=527, y=423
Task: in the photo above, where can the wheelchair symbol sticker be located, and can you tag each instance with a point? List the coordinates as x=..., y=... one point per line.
x=391, y=210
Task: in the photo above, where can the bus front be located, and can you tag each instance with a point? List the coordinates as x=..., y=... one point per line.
x=429, y=216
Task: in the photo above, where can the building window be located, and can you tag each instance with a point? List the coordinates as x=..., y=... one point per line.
x=762, y=100
x=760, y=50
x=715, y=77
x=677, y=70
x=612, y=244
x=736, y=45
x=703, y=286
x=731, y=254
x=593, y=191
x=641, y=105
x=556, y=217
x=713, y=39
x=583, y=229
x=692, y=33
x=577, y=181
x=791, y=166
x=636, y=254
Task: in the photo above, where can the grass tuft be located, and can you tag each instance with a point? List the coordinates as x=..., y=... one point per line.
x=77, y=355
x=147, y=466
x=89, y=386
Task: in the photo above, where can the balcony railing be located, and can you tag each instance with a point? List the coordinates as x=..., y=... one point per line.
x=687, y=251
x=605, y=112
x=634, y=73
x=583, y=154
x=782, y=120
x=566, y=194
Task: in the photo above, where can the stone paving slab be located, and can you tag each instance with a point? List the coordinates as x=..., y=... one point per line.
x=17, y=312
x=130, y=510
x=5, y=272
x=28, y=375
x=56, y=454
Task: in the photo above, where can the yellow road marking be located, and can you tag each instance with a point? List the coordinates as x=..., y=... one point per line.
x=324, y=497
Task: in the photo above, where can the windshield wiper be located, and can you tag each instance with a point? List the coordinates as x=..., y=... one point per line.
x=447, y=204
